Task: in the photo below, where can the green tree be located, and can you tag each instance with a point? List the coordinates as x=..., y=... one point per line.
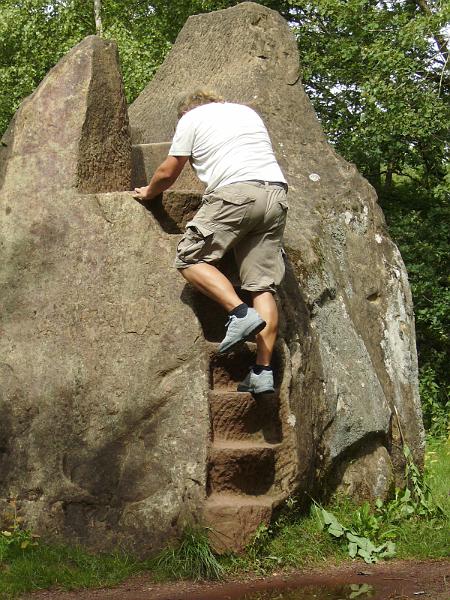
x=379, y=83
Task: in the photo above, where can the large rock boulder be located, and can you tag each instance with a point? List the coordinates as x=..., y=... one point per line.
x=103, y=424
x=72, y=132
x=348, y=317
x=118, y=421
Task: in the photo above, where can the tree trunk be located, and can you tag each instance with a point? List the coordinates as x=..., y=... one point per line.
x=98, y=17
x=388, y=177
x=374, y=175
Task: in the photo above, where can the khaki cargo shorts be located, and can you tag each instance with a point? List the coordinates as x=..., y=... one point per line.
x=246, y=217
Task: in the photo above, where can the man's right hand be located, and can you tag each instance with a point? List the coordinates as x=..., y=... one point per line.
x=141, y=193
x=164, y=176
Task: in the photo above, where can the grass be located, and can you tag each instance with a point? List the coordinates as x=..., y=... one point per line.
x=293, y=541
x=300, y=541
x=67, y=567
x=295, y=544
x=431, y=538
x=191, y=559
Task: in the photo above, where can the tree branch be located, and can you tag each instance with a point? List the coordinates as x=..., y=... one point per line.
x=401, y=174
x=440, y=40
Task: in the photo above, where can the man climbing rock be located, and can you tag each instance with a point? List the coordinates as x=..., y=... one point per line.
x=244, y=208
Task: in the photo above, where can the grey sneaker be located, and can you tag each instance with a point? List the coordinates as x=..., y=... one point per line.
x=254, y=383
x=240, y=329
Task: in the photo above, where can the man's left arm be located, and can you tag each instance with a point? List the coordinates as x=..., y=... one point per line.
x=165, y=176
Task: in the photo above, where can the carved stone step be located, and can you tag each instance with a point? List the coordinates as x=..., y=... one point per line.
x=227, y=371
x=241, y=416
x=242, y=467
x=173, y=209
x=177, y=205
x=146, y=158
x=233, y=519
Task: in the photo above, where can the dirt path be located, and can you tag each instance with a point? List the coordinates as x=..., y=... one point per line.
x=395, y=580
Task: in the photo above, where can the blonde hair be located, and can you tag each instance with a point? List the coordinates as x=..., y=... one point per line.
x=197, y=98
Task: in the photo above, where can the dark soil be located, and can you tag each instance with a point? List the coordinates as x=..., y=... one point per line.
x=394, y=580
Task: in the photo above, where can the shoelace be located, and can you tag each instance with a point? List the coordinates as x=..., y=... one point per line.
x=231, y=318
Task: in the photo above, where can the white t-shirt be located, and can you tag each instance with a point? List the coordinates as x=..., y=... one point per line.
x=227, y=143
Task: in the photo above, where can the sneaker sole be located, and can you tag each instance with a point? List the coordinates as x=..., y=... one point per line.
x=248, y=335
x=243, y=388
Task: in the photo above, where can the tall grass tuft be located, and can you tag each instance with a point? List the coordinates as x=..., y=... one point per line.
x=191, y=559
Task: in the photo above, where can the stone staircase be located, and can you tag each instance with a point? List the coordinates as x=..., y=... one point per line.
x=244, y=469
x=246, y=432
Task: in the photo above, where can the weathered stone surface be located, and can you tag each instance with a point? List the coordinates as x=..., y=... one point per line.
x=241, y=416
x=100, y=440
x=174, y=209
x=242, y=468
x=108, y=364
x=147, y=157
x=367, y=475
x=72, y=132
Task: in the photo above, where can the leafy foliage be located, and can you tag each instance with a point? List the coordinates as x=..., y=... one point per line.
x=373, y=530
x=360, y=590
x=374, y=73
x=419, y=221
x=358, y=545
x=13, y=537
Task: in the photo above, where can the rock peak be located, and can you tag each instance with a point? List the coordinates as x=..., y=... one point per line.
x=72, y=132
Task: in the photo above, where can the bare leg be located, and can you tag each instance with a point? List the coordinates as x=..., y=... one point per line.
x=211, y=282
x=265, y=305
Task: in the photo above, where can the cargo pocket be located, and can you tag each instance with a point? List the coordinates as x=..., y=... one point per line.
x=280, y=267
x=283, y=202
x=232, y=209
x=195, y=243
x=283, y=206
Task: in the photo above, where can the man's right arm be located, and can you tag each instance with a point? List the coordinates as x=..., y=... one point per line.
x=165, y=175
